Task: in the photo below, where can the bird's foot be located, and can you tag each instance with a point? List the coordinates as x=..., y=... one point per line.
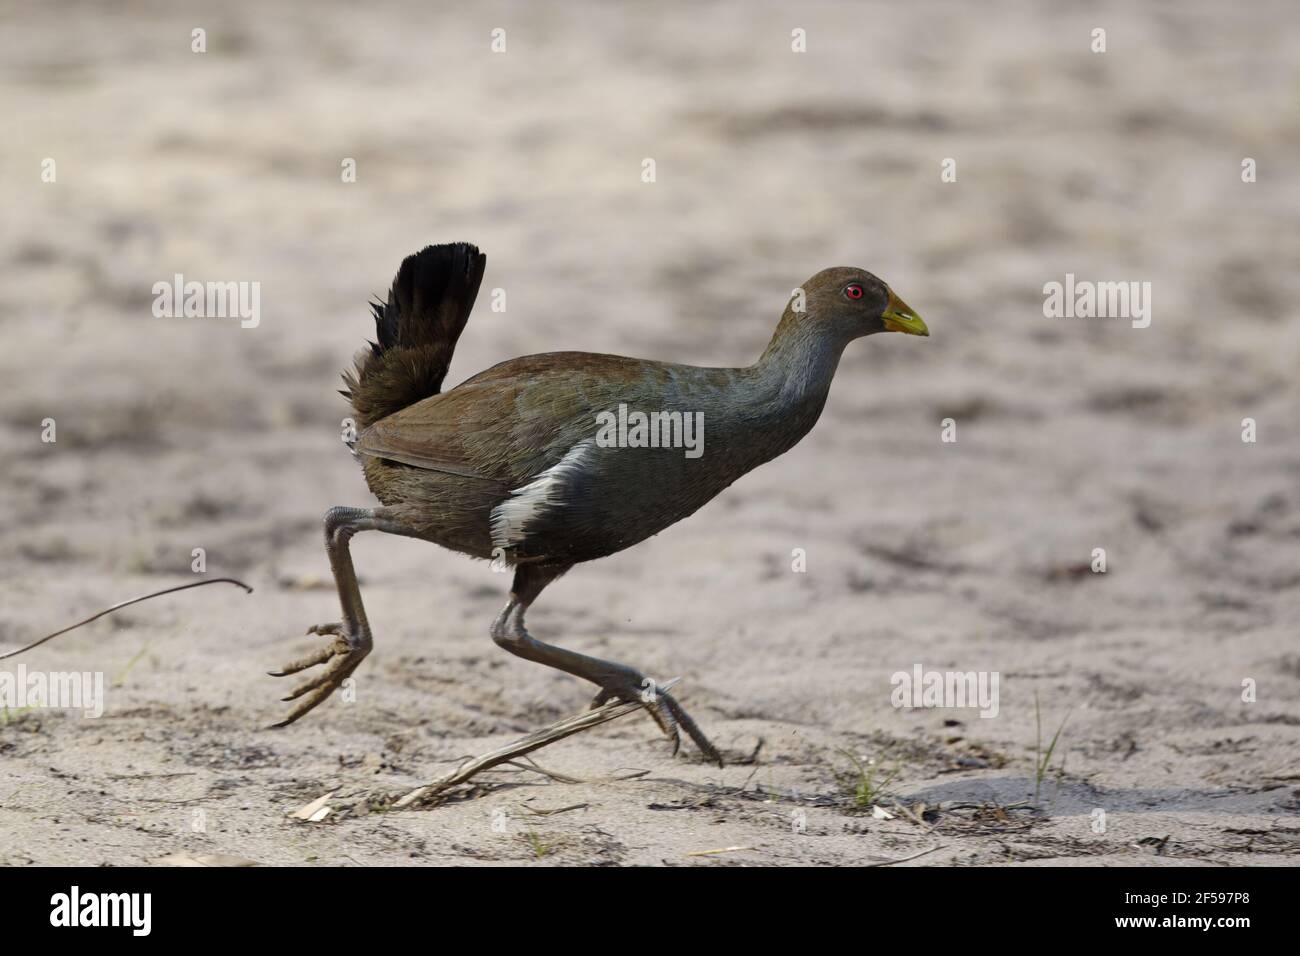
x=341, y=657
x=633, y=687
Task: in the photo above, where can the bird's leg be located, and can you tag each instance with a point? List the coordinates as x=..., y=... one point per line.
x=352, y=640
x=616, y=681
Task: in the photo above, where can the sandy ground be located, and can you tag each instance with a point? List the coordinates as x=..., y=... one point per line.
x=175, y=434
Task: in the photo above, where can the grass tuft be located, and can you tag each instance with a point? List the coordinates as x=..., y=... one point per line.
x=864, y=783
x=1042, y=761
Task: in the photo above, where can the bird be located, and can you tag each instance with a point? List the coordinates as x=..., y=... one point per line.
x=545, y=461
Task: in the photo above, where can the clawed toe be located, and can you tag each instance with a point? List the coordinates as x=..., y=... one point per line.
x=663, y=708
x=341, y=657
x=315, y=657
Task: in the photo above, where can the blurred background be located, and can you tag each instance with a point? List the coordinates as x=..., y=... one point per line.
x=770, y=164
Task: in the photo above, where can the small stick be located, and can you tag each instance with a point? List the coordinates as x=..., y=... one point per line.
x=530, y=765
x=119, y=606
x=721, y=849
x=906, y=858
x=611, y=710
x=551, y=813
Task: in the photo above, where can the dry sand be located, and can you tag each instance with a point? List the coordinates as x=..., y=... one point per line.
x=175, y=434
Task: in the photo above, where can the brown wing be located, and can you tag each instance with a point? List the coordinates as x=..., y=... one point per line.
x=431, y=434
x=515, y=420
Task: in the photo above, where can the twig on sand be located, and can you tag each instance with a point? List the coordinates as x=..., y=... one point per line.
x=550, y=813
x=528, y=764
x=567, y=727
x=121, y=604
x=721, y=849
x=906, y=858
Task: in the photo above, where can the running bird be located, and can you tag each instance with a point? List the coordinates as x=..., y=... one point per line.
x=508, y=464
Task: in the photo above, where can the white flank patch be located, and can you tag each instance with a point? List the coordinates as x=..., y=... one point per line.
x=510, y=519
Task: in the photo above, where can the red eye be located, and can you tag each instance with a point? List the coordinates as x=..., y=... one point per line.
x=854, y=291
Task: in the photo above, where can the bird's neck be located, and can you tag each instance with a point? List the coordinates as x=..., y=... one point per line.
x=795, y=370
x=786, y=389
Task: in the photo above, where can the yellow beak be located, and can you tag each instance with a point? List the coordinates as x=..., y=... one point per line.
x=899, y=317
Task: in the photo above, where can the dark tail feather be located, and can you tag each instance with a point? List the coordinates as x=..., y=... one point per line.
x=428, y=305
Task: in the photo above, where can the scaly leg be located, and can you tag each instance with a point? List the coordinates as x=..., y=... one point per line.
x=615, y=680
x=352, y=639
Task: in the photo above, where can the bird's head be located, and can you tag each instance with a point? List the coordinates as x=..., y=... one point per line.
x=855, y=303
